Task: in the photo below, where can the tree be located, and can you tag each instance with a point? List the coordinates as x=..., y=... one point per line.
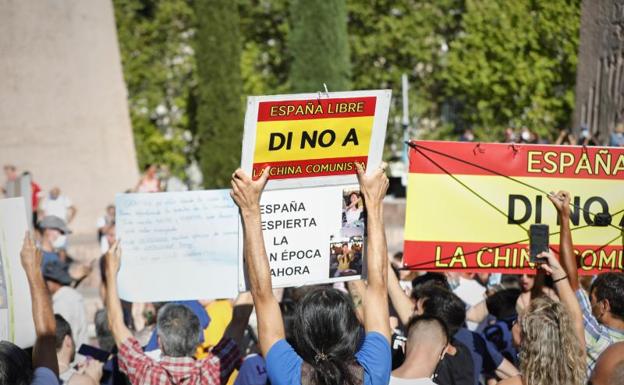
x=319, y=46
x=514, y=63
x=158, y=66
x=391, y=37
x=219, y=90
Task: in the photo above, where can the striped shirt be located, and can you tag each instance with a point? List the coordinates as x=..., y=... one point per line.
x=598, y=337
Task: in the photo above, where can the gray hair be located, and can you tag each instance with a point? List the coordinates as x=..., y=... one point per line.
x=178, y=329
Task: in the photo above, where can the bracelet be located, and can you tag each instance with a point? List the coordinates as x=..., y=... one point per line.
x=560, y=279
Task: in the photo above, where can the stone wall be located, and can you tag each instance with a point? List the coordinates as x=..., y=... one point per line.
x=63, y=111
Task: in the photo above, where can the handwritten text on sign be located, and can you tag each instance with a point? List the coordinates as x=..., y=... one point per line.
x=192, y=234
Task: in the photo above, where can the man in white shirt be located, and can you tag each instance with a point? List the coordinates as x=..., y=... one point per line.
x=427, y=342
x=57, y=205
x=66, y=301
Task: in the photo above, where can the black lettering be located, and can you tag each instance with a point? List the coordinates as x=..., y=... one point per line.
x=311, y=140
x=327, y=143
x=511, y=216
x=276, y=136
x=351, y=137
x=587, y=208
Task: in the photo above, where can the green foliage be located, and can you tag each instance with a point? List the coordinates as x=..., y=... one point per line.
x=483, y=64
x=219, y=87
x=264, y=60
x=391, y=37
x=319, y=46
x=158, y=65
x=514, y=63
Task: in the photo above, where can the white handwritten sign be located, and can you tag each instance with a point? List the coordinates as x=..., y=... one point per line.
x=16, y=322
x=177, y=246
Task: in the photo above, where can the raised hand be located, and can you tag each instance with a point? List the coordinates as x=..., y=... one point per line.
x=30, y=255
x=561, y=201
x=551, y=265
x=246, y=192
x=113, y=259
x=373, y=186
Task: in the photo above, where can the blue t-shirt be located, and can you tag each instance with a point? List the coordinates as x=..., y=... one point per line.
x=485, y=356
x=283, y=364
x=44, y=376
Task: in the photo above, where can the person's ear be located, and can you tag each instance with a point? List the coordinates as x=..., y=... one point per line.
x=447, y=349
x=605, y=306
x=67, y=342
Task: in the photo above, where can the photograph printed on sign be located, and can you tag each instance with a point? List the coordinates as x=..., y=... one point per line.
x=345, y=257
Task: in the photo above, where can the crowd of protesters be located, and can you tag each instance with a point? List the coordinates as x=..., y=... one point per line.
x=397, y=327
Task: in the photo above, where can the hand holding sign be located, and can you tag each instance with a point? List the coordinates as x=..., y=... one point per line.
x=373, y=186
x=30, y=255
x=246, y=192
x=561, y=201
x=113, y=260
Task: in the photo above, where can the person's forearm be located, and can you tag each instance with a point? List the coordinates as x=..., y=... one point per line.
x=115, y=313
x=401, y=302
x=44, y=351
x=568, y=299
x=238, y=325
x=566, y=251
x=258, y=270
x=477, y=313
x=377, y=252
x=506, y=370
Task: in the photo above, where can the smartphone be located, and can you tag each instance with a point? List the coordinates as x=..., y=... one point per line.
x=93, y=352
x=538, y=239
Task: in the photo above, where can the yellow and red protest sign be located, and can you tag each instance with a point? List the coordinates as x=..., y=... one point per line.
x=308, y=136
x=469, y=206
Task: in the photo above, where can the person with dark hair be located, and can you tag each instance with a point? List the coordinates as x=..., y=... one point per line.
x=501, y=306
x=149, y=182
x=66, y=300
x=178, y=337
x=329, y=345
x=603, y=309
x=427, y=342
x=88, y=373
x=15, y=366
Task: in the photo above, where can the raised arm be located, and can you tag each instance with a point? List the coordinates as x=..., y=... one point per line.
x=246, y=193
x=243, y=307
x=561, y=201
x=375, y=306
x=115, y=315
x=401, y=301
x=566, y=295
x=44, y=352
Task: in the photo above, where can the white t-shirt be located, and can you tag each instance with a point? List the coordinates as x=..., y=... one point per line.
x=471, y=292
x=410, y=381
x=57, y=207
x=69, y=303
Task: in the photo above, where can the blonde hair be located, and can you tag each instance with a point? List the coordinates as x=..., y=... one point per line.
x=549, y=350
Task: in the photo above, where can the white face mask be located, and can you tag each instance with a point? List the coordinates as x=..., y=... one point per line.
x=60, y=242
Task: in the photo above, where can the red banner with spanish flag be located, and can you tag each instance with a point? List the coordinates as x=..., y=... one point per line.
x=469, y=205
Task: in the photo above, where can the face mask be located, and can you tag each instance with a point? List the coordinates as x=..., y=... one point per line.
x=59, y=243
x=525, y=135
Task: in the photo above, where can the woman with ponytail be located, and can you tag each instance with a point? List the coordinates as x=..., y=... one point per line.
x=329, y=345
